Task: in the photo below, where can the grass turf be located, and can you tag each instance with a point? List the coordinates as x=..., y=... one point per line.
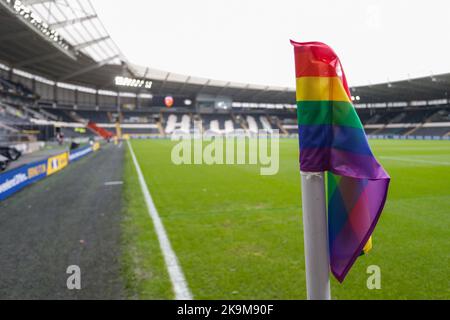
x=142, y=262
x=238, y=235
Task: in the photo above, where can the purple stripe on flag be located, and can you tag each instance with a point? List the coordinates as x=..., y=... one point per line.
x=341, y=162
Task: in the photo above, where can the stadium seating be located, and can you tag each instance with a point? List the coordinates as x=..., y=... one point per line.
x=74, y=133
x=442, y=115
x=252, y=124
x=432, y=131
x=214, y=126
x=229, y=127
x=377, y=121
x=265, y=123
x=96, y=116
x=16, y=89
x=140, y=131
x=100, y=131
x=185, y=124
x=288, y=125
x=217, y=123
x=417, y=121
x=171, y=123
x=61, y=114
x=391, y=131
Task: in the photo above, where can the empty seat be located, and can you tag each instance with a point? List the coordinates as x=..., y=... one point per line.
x=252, y=125
x=171, y=122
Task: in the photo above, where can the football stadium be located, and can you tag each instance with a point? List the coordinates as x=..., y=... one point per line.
x=121, y=180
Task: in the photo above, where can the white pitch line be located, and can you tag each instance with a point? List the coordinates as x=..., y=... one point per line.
x=113, y=183
x=176, y=275
x=417, y=160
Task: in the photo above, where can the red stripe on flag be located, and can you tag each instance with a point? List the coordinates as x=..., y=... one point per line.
x=316, y=59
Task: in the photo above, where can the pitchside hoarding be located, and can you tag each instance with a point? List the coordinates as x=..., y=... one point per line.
x=79, y=153
x=57, y=163
x=14, y=180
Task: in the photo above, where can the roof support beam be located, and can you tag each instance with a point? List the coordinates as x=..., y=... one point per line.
x=146, y=73
x=66, y=23
x=253, y=97
x=223, y=88
x=144, y=77
x=180, y=91
x=164, y=83
x=90, y=43
x=31, y=2
x=204, y=86
x=88, y=68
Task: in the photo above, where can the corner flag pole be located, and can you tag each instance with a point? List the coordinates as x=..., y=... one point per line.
x=315, y=231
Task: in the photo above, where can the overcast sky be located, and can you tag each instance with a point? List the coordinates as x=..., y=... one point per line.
x=248, y=40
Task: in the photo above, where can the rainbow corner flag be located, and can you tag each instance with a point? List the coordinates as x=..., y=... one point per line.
x=332, y=139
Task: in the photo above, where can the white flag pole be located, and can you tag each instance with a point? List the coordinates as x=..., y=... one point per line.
x=315, y=229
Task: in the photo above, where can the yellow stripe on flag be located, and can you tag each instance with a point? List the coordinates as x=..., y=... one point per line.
x=368, y=246
x=321, y=88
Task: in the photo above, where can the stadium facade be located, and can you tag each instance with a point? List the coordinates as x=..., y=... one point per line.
x=61, y=71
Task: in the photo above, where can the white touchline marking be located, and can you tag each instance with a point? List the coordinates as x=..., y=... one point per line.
x=113, y=183
x=176, y=275
x=417, y=160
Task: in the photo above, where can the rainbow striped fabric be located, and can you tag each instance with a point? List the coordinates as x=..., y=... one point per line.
x=332, y=139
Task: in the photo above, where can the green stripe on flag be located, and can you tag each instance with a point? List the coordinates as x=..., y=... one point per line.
x=339, y=113
x=332, y=182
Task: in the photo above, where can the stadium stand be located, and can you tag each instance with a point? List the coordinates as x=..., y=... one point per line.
x=171, y=124
x=442, y=115
x=252, y=125
x=15, y=89
x=73, y=93
x=217, y=123
x=432, y=131
x=185, y=124
x=105, y=134
x=265, y=123
x=95, y=116
x=60, y=114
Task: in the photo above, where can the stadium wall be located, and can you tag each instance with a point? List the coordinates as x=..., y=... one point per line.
x=16, y=179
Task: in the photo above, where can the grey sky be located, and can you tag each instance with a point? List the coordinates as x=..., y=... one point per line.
x=248, y=40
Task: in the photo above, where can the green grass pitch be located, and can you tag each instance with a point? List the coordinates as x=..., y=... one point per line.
x=238, y=235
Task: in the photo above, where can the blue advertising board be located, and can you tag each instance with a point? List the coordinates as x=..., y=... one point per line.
x=16, y=179
x=79, y=153
x=13, y=180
